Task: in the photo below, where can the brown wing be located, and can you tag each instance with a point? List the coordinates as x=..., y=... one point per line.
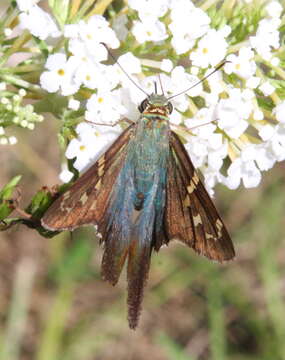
x=86, y=200
x=190, y=214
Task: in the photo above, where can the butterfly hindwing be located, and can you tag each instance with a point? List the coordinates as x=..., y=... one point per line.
x=86, y=201
x=190, y=214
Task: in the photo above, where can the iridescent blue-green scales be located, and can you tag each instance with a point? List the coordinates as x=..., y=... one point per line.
x=143, y=192
x=138, y=200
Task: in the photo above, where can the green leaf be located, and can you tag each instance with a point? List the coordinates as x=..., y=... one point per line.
x=51, y=103
x=40, y=203
x=8, y=189
x=60, y=10
x=6, y=201
x=5, y=210
x=42, y=200
x=265, y=103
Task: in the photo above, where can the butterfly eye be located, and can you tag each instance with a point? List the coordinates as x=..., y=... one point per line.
x=169, y=107
x=143, y=105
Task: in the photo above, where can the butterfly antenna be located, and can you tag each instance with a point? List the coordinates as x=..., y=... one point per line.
x=127, y=75
x=155, y=87
x=200, y=81
x=160, y=82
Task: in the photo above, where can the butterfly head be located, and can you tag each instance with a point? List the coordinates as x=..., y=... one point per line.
x=156, y=104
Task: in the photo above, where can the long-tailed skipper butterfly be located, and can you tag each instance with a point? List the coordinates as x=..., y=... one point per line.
x=142, y=193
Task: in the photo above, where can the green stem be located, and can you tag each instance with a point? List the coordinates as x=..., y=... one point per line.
x=14, y=80
x=217, y=332
x=18, y=43
x=9, y=17
x=100, y=7
x=83, y=9
x=52, y=336
x=24, y=69
x=207, y=4
x=237, y=47
x=17, y=317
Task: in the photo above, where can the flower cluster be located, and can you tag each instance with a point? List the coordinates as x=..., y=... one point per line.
x=13, y=112
x=236, y=117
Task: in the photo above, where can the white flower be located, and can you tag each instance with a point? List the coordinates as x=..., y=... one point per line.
x=232, y=113
x=211, y=178
x=91, y=75
x=274, y=9
x=86, y=37
x=73, y=104
x=130, y=97
x=97, y=30
x=92, y=141
x=60, y=74
x=65, y=175
x=166, y=65
x=3, y=86
x=211, y=49
x=279, y=112
x=277, y=143
x=82, y=151
x=179, y=81
x=197, y=123
x=264, y=157
x=188, y=24
x=216, y=82
x=8, y=32
x=39, y=23
x=267, y=88
x=275, y=61
x=25, y=5
x=253, y=82
x=3, y=141
x=266, y=38
x=243, y=64
x=12, y=140
x=149, y=9
x=104, y=108
x=258, y=114
x=205, y=147
x=245, y=170
x=129, y=62
x=266, y=132
x=85, y=52
x=149, y=30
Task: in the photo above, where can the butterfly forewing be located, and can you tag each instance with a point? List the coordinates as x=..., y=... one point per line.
x=87, y=199
x=190, y=214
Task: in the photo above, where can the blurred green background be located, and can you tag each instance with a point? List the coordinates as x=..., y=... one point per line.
x=54, y=305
